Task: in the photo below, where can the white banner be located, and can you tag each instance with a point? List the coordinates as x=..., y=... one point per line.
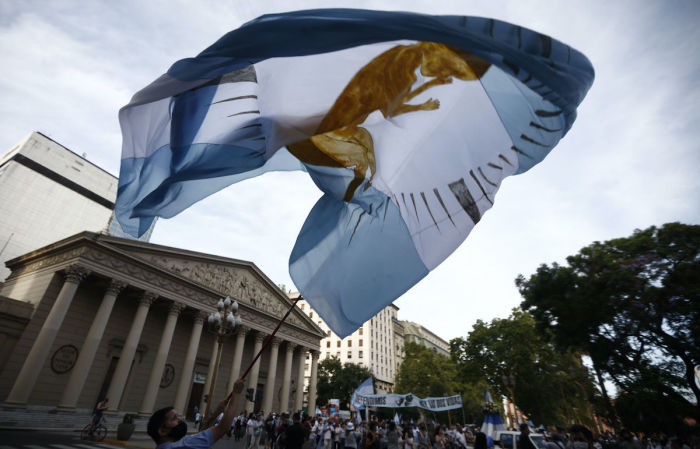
x=409, y=400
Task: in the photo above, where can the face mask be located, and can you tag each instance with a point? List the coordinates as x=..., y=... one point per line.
x=178, y=431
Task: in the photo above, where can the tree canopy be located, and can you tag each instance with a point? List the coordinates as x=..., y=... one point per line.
x=633, y=305
x=338, y=381
x=517, y=362
x=425, y=373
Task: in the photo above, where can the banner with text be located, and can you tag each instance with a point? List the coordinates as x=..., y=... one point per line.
x=409, y=400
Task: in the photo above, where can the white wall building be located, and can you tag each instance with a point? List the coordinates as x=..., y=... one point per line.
x=414, y=332
x=374, y=345
x=48, y=193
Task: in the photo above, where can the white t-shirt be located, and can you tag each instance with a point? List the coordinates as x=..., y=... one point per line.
x=250, y=426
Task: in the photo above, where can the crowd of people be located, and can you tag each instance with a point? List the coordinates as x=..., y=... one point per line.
x=297, y=431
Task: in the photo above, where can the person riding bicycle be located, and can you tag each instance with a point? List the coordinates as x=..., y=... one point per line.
x=100, y=407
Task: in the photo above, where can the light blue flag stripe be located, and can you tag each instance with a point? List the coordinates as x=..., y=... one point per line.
x=351, y=258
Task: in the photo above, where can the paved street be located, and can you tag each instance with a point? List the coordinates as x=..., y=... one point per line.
x=10, y=439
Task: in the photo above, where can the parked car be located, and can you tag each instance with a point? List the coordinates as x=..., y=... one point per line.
x=509, y=439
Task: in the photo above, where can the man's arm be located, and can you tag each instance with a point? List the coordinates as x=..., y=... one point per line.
x=229, y=411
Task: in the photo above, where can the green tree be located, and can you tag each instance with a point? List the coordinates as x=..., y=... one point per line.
x=633, y=305
x=517, y=362
x=426, y=373
x=338, y=381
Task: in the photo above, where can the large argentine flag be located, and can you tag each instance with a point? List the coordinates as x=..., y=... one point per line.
x=408, y=123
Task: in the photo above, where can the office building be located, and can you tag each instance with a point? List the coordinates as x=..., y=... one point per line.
x=415, y=333
x=375, y=345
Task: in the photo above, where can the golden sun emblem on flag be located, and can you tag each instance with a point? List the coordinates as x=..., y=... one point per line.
x=385, y=85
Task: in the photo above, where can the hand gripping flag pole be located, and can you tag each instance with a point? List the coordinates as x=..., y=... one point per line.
x=266, y=343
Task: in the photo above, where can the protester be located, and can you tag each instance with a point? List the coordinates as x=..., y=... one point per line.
x=480, y=441
x=524, y=438
x=169, y=430
x=371, y=439
x=408, y=440
x=295, y=434
x=351, y=436
x=392, y=436
x=440, y=440
x=460, y=439
x=253, y=431
x=327, y=434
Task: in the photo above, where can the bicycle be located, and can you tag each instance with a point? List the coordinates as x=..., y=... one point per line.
x=96, y=432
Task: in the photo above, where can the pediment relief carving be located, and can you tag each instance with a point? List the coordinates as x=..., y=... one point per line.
x=238, y=283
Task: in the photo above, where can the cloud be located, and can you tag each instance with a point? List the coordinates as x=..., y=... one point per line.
x=630, y=160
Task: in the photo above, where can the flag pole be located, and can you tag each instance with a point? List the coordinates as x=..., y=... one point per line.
x=267, y=341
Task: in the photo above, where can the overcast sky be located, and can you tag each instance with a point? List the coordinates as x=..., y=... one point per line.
x=630, y=161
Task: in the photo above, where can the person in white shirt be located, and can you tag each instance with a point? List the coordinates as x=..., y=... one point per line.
x=459, y=438
x=327, y=434
x=253, y=430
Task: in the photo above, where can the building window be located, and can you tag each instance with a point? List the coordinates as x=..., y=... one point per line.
x=338, y=343
x=337, y=354
x=349, y=354
x=360, y=331
x=319, y=322
x=329, y=332
x=359, y=354
x=328, y=344
x=360, y=342
x=349, y=343
x=328, y=355
x=311, y=314
x=302, y=307
x=306, y=366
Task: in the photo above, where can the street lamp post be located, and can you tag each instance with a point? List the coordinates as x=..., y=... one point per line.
x=222, y=323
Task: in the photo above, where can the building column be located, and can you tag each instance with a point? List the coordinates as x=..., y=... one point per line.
x=271, y=376
x=121, y=374
x=80, y=371
x=287, y=378
x=241, y=332
x=166, y=339
x=255, y=370
x=299, y=399
x=312, y=383
x=186, y=380
x=26, y=379
x=210, y=377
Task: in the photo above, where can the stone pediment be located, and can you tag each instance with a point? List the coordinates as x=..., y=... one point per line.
x=238, y=279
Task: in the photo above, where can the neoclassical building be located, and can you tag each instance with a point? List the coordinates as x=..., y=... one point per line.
x=93, y=316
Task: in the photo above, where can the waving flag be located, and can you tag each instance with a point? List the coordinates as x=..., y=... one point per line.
x=408, y=123
x=365, y=388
